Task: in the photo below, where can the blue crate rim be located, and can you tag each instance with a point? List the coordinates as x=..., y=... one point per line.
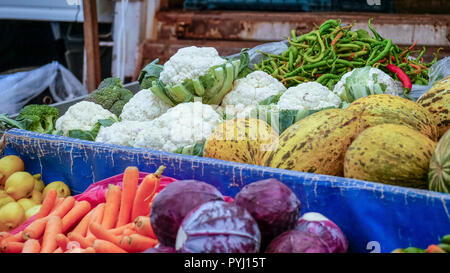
x=333, y=181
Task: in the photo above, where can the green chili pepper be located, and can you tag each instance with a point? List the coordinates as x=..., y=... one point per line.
x=377, y=36
x=382, y=53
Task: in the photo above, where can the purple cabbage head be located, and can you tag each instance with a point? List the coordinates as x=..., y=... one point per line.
x=323, y=227
x=218, y=227
x=297, y=241
x=174, y=202
x=160, y=249
x=274, y=206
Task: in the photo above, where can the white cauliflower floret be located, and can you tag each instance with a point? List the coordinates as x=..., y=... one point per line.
x=144, y=106
x=122, y=133
x=382, y=78
x=82, y=116
x=308, y=96
x=253, y=89
x=189, y=63
x=182, y=125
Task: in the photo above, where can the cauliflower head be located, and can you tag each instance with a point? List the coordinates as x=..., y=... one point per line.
x=82, y=116
x=144, y=106
x=122, y=133
x=182, y=125
x=308, y=96
x=189, y=63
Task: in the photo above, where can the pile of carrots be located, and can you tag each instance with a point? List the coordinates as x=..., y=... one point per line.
x=121, y=224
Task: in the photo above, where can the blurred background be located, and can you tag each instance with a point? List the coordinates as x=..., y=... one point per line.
x=95, y=39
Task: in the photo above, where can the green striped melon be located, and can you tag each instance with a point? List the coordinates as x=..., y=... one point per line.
x=439, y=173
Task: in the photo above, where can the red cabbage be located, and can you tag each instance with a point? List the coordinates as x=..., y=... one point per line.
x=160, y=249
x=297, y=241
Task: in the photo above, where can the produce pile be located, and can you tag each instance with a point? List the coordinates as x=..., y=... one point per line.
x=442, y=247
x=120, y=224
x=22, y=194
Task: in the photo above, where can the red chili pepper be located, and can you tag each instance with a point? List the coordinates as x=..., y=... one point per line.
x=393, y=58
x=401, y=75
x=417, y=68
x=413, y=45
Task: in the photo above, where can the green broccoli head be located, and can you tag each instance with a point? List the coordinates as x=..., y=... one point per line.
x=110, y=82
x=38, y=118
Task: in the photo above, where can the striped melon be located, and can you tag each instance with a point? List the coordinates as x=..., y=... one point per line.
x=391, y=154
x=317, y=143
x=385, y=108
x=439, y=174
x=242, y=140
x=437, y=102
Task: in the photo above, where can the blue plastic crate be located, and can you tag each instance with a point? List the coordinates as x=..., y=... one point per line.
x=272, y=5
x=368, y=213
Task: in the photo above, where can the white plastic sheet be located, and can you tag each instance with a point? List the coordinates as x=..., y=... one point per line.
x=19, y=88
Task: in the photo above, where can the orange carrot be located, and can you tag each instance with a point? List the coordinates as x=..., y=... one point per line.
x=100, y=232
x=97, y=216
x=129, y=188
x=65, y=206
x=35, y=229
x=88, y=250
x=83, y=225
x=62, y=241
x=4, y=234
x=112, y=206
x=103, y=246
x=58, y=202
x=47, y=204
x=83, y=241
x=144, y=227
x=145, y=192
x=31, y=246
x=11, y=247
x=58, y=250
x=150, y=204
x=119, y=230
x=78, y=211
x=18, y=237
x=128, y=231
x=137, y=243
x=52, y=228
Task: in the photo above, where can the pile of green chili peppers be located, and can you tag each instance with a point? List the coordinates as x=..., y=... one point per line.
x=332, y=49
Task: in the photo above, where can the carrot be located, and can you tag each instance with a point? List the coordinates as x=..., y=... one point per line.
x=58, y=250
x=100, y=232
x=62, y=241
x=88, y=250
x=52, y=228
x=47, y=204
x=129, y=188
x=35, y=229
x=97, y=216
x=31, y=246
x=112, y=206
x=103, y=246
x=137, y=243
x=145, y=192
x=83, y=241
x=58, y=202
x=144, y=227
x=83, y=225
x=150, y=204
x=11, y=247
x=18, y=237
x=62, y=209
x=128, y=231
x=4, y=234
x=79, y=210
x=119, y=230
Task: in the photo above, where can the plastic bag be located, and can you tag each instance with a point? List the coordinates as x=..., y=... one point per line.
x=272, y=48
x=19, y=88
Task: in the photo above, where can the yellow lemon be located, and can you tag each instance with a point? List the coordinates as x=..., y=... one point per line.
x=26, y=203
x=61, y=188
x=5, y=198
x=8, y=165
x=32, y=211
x=35, y=196
x=38, y=183
x=11, y=216
x=19, y=185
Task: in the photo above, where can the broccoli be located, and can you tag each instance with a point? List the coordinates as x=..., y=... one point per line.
x=111, y=95
x=33, y=117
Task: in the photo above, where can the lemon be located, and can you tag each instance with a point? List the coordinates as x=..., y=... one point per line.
x=5, y=198
x=35, y=196
x=8, y=165
x=61, y=188
x=27, y=203
x=19, y=185
x=38, y=183
x=32, y=211
x=11, y=216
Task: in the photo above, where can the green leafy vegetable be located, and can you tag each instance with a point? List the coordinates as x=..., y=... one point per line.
x=33, y=117
x=91, y=134
x=196, y=149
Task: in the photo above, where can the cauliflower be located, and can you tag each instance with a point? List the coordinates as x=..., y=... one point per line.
x=308, y=96
x=364, y=81
x=183, y=125
x=83, y=115
x=122, y=133
x=144, y=106
x=189, y=63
